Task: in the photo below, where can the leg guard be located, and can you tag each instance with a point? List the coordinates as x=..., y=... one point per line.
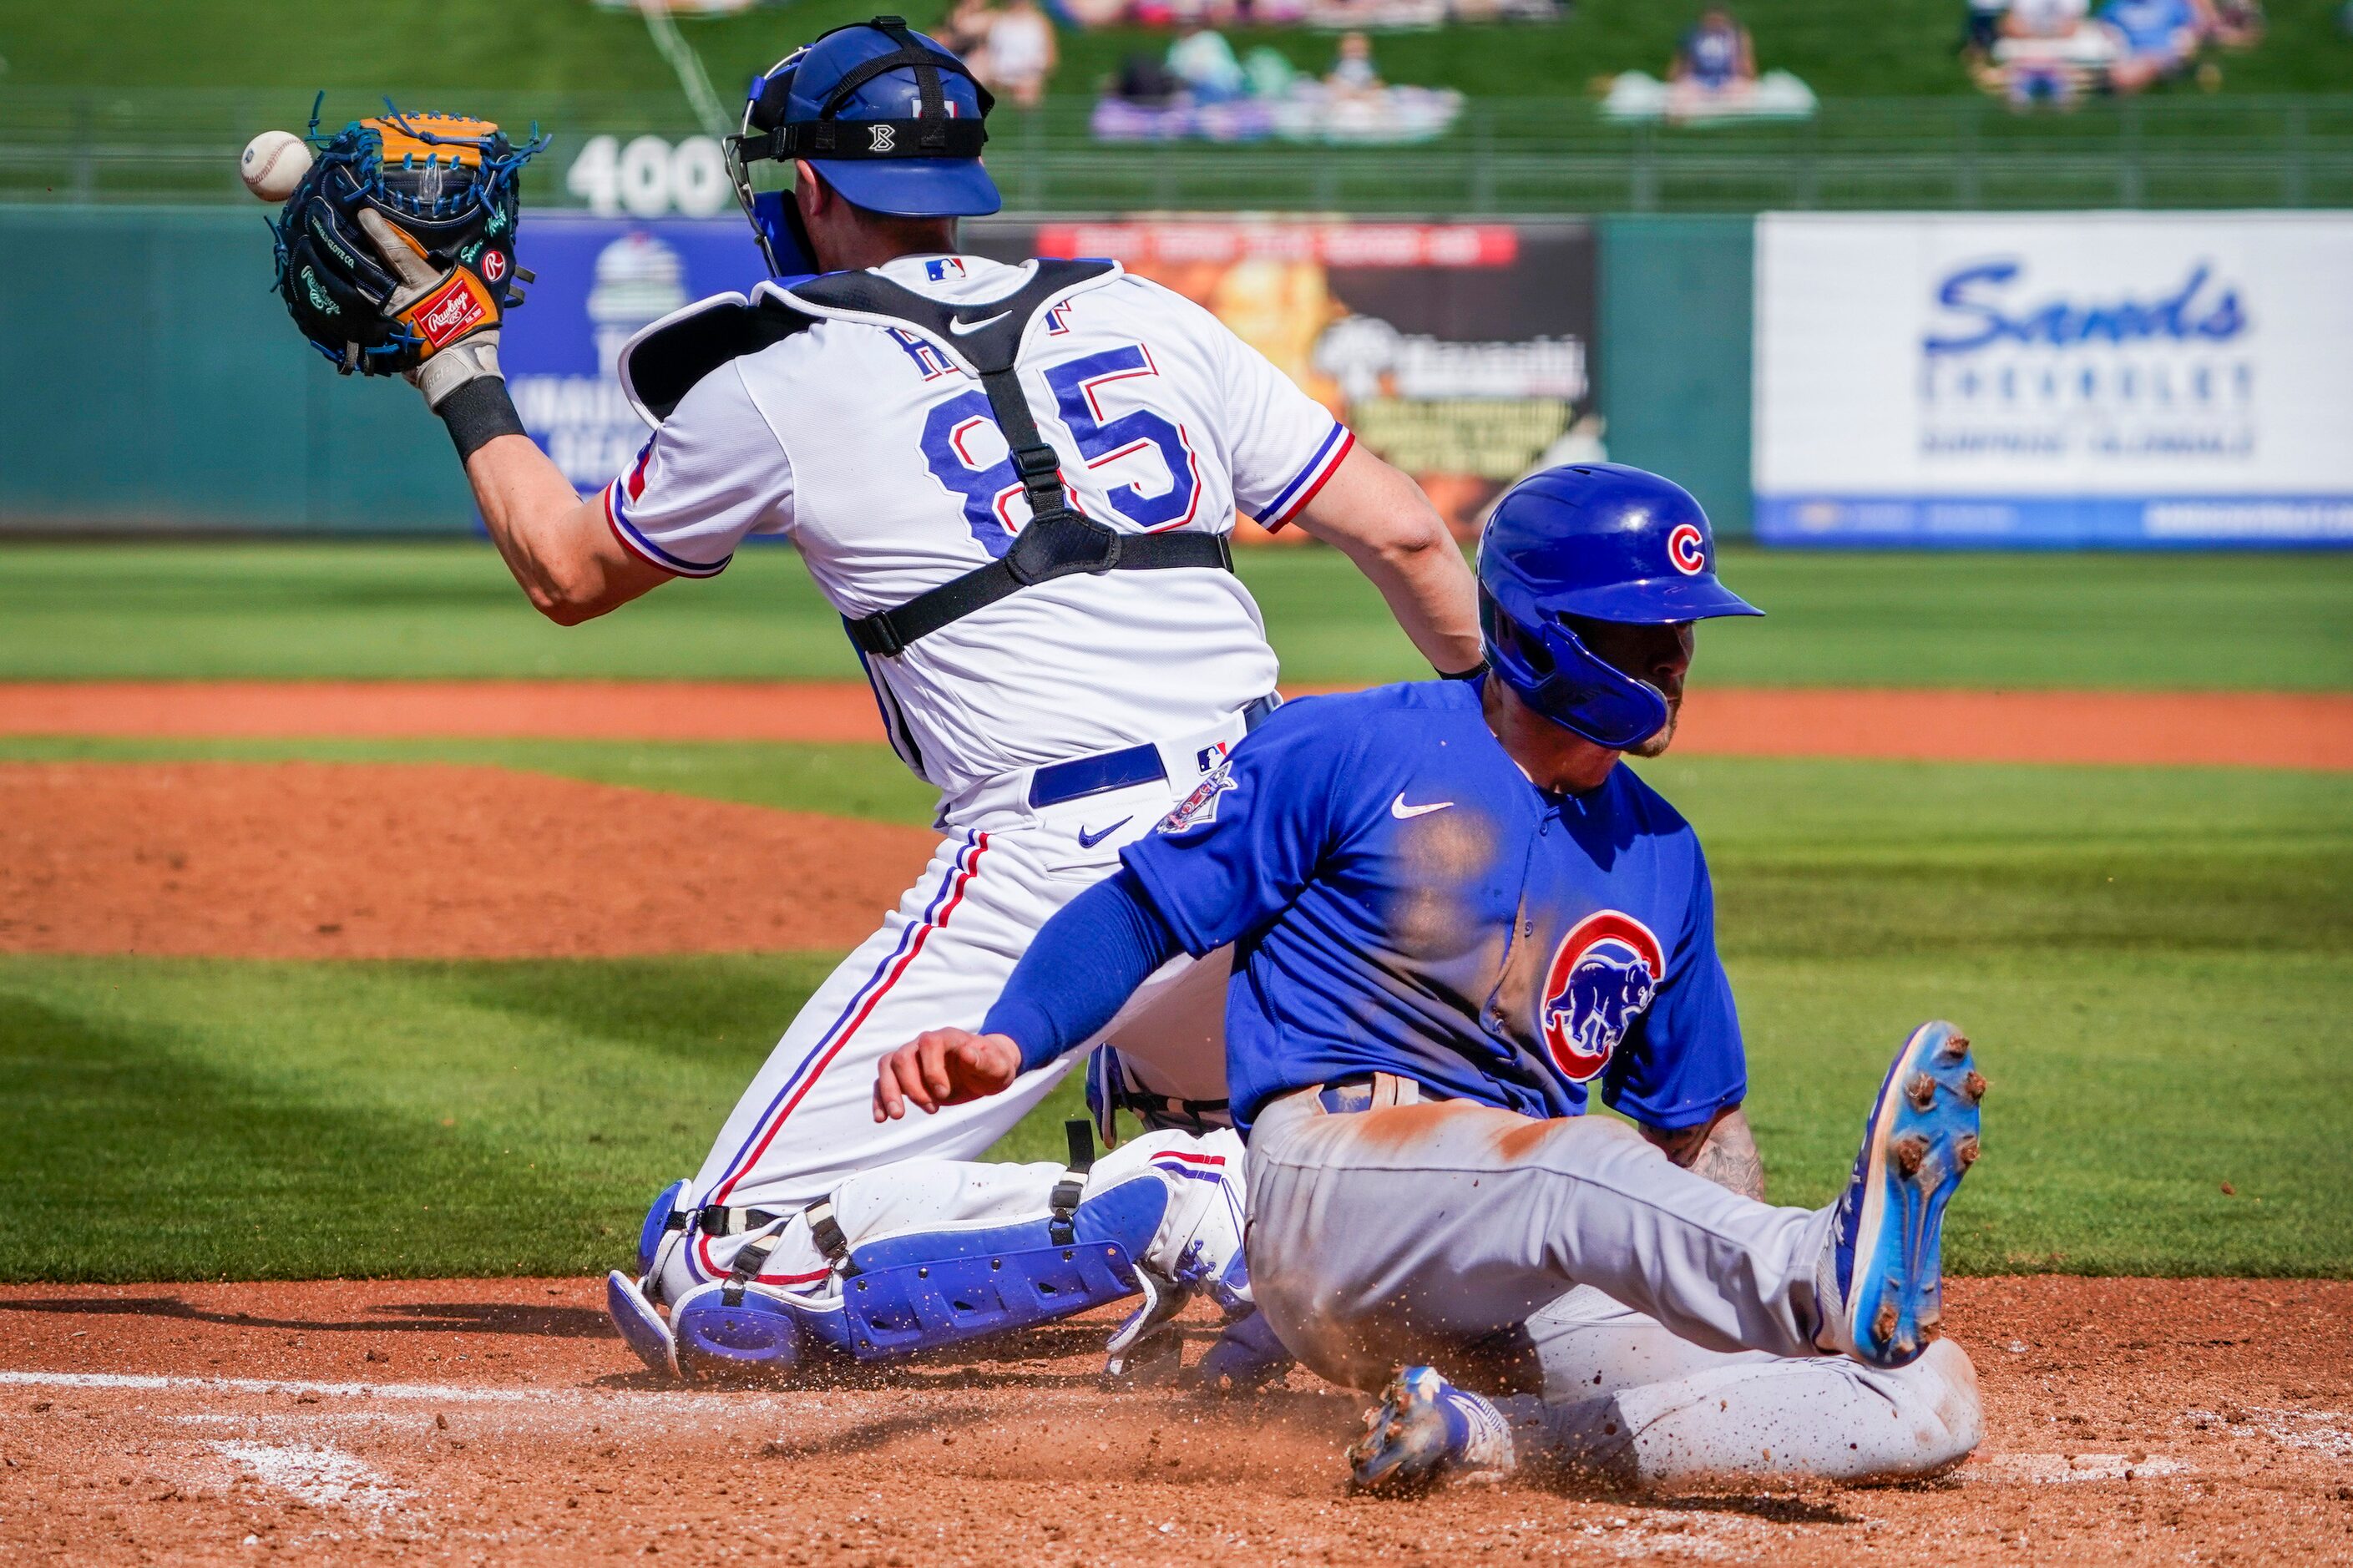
x=640, y=1324
x=932, y=1253
x=726, y=1324
x=665, y=1229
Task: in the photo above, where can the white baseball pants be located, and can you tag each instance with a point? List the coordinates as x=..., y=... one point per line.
x=1653, y=1323
x=939, y=961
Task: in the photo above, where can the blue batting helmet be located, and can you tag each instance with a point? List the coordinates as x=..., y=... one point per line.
x=1604, y=542
x=888, y=118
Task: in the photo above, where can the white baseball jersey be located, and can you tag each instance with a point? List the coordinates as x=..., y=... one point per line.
x=869, y=449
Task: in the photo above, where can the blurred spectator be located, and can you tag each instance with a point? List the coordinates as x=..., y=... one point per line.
x=1982, y=30
x=1353, y=74
x=2050, y=50
x=1021, y=52
x=1143, y=80
x=2155, y=40
x=1716, y=65
x=965, y=31
x=1205, y=63
x=2239, y=24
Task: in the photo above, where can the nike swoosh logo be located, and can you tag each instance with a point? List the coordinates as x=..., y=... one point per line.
x=1089, y=840
x=966, y=329
x=1404, y=813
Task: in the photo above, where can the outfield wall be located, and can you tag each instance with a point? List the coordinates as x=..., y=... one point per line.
x=2105, y=379
x=162, y=387
x=154, y=382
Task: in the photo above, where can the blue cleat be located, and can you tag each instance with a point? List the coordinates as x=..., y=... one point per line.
x=1883, y=1293
x=1425, y=1431
x=640, y=1324
x=1246, y=1358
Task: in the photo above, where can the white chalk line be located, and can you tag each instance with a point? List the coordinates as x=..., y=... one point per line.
x=443, y=1394
x=2045, y=1470
x=319, y=1475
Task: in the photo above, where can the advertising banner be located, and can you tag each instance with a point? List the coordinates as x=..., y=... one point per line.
x=598, y=280
x=1460, y=352
x=2126, y=379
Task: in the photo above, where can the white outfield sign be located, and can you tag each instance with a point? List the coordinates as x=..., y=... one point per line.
x=2064, y=378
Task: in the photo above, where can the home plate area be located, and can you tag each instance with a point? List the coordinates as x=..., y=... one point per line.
x=501, y=1421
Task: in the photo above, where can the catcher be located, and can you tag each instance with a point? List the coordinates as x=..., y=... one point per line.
x=1016, y=484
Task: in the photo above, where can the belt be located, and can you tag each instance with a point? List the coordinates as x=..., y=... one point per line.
x=1373, y=1091
x=1059, y=781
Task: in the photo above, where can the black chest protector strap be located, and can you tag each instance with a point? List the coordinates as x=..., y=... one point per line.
x=1057, y=541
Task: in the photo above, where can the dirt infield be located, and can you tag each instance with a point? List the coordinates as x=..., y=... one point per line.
x=312, y=860
x=2247, y=729
x=2130, y=1421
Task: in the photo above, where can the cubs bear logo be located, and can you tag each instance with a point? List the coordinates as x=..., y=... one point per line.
x=1605, y=973
x=1687, y=549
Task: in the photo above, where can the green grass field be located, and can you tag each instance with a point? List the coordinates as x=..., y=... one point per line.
x=2154, y=962
x=368, y=611
x=1841, y=47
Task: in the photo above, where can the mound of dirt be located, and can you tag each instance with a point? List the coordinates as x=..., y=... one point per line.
x=330, y=861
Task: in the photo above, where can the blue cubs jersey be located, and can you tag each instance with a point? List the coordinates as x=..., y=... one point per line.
x=1403, y=900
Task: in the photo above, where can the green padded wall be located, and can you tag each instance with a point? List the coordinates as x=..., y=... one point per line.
x=154, y=382
x=1674, y=354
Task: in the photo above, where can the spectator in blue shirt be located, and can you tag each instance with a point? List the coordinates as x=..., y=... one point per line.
x=2156, y=39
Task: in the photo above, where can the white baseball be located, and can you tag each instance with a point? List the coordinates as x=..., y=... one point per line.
x=274, y=164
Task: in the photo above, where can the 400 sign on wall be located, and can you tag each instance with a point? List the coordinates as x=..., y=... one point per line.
x=2061, y=379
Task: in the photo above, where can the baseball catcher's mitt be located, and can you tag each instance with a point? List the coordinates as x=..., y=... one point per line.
x=399, y=244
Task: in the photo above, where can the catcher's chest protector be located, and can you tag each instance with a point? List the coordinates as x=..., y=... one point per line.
x=984, y=339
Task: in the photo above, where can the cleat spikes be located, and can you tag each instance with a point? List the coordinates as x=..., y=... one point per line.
x=1921, y=1092
x=1956, y=1047
x=1966, y=1150
x=1973, y=1087
x=1906, y=1153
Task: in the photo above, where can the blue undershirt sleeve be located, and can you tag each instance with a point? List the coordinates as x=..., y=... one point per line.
x=1082, y=968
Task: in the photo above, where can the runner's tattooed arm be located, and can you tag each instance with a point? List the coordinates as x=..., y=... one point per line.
x=1723, y=1150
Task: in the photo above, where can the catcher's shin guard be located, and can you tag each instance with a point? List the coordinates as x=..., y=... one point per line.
x=667, y=1226
x=640, y=1324
x=1162, y=1215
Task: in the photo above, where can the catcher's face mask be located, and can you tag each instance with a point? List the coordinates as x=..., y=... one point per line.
x=776, y=221
x=886, y=117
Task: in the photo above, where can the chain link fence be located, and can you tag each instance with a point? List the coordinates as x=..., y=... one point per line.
x=646, y=155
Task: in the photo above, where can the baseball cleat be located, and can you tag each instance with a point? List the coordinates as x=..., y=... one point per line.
x=1246, y=1358
x=1884, y=1296
x=1425, y=1431
x=640, y=1324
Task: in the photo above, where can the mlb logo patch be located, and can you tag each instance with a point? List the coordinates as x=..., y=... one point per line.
x=1201, y=806
x=1208, y=757
x=943, y=270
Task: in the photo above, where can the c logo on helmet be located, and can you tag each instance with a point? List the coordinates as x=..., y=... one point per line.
x=1687, y=550
x=1605, y=973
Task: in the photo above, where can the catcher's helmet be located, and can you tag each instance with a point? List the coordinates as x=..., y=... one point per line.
x=1604, y=542
x=888, y=118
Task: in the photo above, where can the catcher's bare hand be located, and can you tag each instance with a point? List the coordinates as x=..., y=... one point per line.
x=943, y=1067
